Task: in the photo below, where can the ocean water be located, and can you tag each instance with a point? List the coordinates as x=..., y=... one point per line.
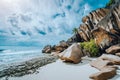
x=19, y=49
x=15, y=54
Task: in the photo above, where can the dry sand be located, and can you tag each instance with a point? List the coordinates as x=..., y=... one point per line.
x=63, y=71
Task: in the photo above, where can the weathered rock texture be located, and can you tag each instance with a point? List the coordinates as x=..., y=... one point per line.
x=90, y=22
x=100, y=64
x=113, y=49
x=112, y=58
x=72, y=54
x=117, y=54
x=104, y=74
x=26, y=67
x=106, y=64
x=103, y=38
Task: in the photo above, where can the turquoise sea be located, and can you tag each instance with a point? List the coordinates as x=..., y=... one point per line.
x=13, y=54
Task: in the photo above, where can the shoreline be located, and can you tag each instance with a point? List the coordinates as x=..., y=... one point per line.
x=56, y=70
x=26, y=67
x=47, y=71
x=60, y=70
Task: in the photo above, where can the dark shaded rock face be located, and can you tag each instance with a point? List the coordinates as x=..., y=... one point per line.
x=74, y=38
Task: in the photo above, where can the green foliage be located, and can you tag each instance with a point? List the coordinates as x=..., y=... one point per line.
x=75, y=30
x=109, y=3
x=90, y=47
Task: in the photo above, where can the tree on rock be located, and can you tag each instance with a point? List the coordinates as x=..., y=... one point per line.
x=77, y=36
x=75, y=30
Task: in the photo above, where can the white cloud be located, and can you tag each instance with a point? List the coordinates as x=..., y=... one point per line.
x=39, y=17
x=87, y=8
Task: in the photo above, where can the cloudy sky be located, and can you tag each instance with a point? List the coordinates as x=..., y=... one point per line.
x=42, y=19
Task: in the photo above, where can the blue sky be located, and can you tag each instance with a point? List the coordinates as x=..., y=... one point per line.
x=31, y=20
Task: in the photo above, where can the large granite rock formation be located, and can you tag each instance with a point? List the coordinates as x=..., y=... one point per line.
x=90, y=21
x=103, y=25
x=72, y=54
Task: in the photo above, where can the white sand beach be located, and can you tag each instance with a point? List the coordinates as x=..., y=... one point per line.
x=63, y=71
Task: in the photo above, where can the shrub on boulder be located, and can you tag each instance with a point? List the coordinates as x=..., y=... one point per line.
x=90, y=47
